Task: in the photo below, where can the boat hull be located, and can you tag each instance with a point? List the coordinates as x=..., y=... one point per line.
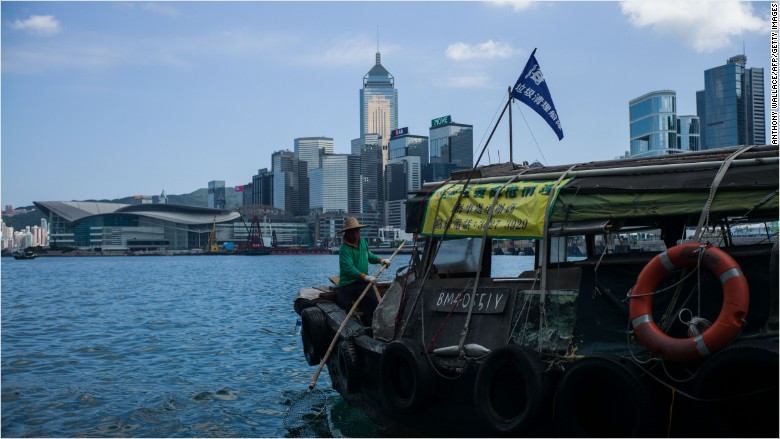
x=513, y=390
x=446, y=407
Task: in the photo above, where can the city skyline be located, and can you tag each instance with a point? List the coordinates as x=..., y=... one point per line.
x=103, y=100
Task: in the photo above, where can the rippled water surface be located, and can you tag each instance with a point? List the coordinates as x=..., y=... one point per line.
x=161, y=346
x=156, y=346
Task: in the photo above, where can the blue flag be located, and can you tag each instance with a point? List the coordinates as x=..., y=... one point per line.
x=531, y=88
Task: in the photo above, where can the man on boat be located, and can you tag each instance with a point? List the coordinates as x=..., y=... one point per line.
x=354, y=258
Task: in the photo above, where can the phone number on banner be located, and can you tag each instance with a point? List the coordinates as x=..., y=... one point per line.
x=519, y=210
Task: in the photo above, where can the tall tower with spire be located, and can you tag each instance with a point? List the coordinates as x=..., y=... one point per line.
x=379, y=105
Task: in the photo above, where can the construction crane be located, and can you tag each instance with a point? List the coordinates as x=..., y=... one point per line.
x=213, y=247
x=254, y=241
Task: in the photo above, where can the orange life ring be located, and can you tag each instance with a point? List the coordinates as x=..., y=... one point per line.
x=723, y=331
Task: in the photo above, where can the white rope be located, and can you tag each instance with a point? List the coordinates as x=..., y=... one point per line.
x=696, y=325
x=491, y=209
x=543, y=258
x=527, y=301
x=705, y=213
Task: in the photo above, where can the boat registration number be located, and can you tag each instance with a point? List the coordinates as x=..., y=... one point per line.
x=485, y=301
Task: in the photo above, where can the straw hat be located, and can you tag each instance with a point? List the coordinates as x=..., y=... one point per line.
x=352, y=223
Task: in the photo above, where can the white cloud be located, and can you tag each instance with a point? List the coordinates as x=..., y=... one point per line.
x=100, y=51
x=38, y=25
x=487, y=50
x=703, y=25
x=516, y=5
x=161, y=8
x=349, y=50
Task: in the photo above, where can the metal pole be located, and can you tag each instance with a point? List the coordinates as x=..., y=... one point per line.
x=509, y=90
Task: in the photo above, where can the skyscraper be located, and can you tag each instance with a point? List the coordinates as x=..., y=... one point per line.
x=451, y=147
x=688, y=133
x=309, y=149
x=655, y=128
x=290, y=183
x=369, y=149
x=379, y=105
x=263, y=188
x=402, y=144
x=403, y=174
x=731, y=106
x=335, y=185
x=653, y=123
x=217, y=194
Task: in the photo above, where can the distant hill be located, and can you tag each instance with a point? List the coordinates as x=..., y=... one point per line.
x=31, y=218
x=199, y=198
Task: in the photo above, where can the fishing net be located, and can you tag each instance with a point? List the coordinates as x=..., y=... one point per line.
x=305, y=408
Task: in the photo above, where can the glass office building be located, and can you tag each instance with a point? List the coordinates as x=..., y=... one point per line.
x=688, y=138
x=408, y=144
x=336, y=185
x=403, y=174
x=216, y=194
x=309, y=149
x=290, y=183
x=653, y=124
x=452, y=143
x=263, y=188
x=379, y=105
x=731, y=106
x=369, y=149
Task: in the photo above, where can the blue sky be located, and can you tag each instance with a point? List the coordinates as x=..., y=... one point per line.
x=102, y=100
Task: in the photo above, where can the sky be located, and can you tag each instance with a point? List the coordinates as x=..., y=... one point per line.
x=103, y=100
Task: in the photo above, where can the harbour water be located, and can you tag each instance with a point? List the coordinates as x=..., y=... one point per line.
x=165, y=346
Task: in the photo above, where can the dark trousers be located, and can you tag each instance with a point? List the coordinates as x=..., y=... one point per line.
x=349, y=293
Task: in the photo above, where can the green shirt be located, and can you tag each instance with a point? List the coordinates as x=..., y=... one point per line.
x=353, y=262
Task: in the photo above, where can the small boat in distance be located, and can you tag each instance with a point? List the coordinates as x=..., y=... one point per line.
x=29, y=254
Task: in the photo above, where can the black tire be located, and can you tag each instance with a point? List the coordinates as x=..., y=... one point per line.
x=741, y=384
x=314, y=334
x=300, y=304
x=511, y=390
x=603, y=397
x=407, y=380
x=348, y=368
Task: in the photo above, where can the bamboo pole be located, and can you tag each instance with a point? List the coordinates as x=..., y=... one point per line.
x=346, y=319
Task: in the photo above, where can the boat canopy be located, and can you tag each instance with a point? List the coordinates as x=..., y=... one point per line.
x=511, y=201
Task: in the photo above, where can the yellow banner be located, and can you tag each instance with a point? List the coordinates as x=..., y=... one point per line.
x=518, y=212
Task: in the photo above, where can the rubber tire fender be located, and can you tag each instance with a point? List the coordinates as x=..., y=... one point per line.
x=603, y=397
x=741, y=383
x=511, y=390
x=407, y=379
x=314, y=334
x=348, y=378
x=300, y=304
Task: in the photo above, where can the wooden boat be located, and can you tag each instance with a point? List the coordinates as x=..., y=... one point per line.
x=25, y=255
x=682, y=342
